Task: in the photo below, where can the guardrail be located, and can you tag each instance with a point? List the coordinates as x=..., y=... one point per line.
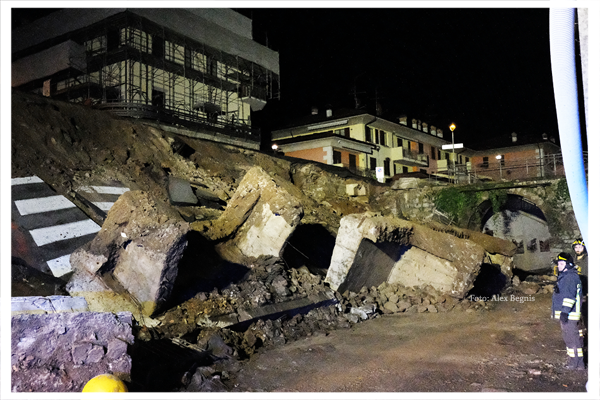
x=176, y=117
x=549, y=166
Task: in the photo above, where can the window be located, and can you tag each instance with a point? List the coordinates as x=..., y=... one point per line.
x=211, y=66
x=439, y=157
x=485, y=163
x=112, y=39
x=386, y=166
x=382, y=138
x=433, y=153
x=447, y=156
x=158, y=98
x=352, y=160
x=368, y=135
x=467, y=159
x=373, y=163
x=158, y=46
x=420, y=148
x=337, y=157
x=398, y=142
x=405, y=170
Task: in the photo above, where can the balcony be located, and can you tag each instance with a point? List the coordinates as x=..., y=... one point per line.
x=409, y=158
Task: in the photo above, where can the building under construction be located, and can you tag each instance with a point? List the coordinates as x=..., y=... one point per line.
x=193, y=68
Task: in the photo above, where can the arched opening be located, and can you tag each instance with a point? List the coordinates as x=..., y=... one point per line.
x=522, y=222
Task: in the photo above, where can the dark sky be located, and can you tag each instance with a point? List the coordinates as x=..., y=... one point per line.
x=486, y=70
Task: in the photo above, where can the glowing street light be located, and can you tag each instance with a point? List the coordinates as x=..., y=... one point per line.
x=499, y=158
x=452, y=127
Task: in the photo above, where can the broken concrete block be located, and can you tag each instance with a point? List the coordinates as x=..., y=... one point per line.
x=259, y=218
x=371, y=249
x=47, y=305
x=405, y=183
x=133, y=259
x=62, y=352
x=180, y=192
x=356, y=189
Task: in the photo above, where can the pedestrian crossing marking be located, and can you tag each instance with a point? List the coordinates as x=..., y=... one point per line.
x=103, y=205
x=26, y=180
x=55, y=233
x=43, y=204
x=65, y=235
x=60, y=266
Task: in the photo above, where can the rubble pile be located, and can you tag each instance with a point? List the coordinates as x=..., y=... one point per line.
x=533, y=284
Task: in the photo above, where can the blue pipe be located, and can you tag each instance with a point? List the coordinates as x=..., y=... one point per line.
x=564, y=78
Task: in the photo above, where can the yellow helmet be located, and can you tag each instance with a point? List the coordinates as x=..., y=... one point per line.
x=105, y=383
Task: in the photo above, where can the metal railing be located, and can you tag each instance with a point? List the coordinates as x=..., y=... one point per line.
x=144, y=111
x=549, y=166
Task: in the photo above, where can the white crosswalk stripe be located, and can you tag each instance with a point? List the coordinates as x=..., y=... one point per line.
x=104, y=205
x=44, y=204
x=60, y=266
x=43, y=236
x=26, y=180
x=44, y=216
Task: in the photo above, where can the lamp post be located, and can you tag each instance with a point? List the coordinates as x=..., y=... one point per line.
x=452, y=127
x=499, y=158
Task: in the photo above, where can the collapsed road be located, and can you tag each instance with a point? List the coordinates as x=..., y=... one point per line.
x=210, y=255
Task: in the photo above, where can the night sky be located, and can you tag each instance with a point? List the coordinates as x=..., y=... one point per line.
x=486, y=70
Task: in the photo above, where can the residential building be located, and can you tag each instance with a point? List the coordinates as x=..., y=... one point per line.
x=194, y=68
x=362, y=142
x=512, y=157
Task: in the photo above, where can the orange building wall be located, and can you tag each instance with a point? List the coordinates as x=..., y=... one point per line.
x=311, y=154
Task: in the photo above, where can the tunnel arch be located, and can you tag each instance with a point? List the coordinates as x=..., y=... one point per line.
x=514, y=202
x=522, y=222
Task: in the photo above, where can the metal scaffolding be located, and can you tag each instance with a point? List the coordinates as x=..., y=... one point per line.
x=136, y=68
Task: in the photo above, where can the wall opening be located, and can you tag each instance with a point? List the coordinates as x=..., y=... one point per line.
x=490, y=282
x=310, y=245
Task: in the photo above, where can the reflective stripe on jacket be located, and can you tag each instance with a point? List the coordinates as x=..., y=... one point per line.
x=568, y=296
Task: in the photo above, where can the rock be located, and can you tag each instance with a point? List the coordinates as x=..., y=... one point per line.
x=529, y=288
x=259, y=218
x=62, y=352
x=432, y=309
x=391, y=306
x=516, y=281
x=180, y=192
x=203, y=380
x=402, y=306
x=421, y=309
x=401, y=252
x=134, y=257
x=405, y=183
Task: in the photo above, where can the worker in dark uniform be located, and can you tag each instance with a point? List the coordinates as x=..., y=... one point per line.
x=580, y=259
x=566, y=307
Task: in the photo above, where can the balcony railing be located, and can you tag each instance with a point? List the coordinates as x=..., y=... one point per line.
x=410, y=158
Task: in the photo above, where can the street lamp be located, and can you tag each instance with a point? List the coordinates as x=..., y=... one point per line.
x=499, y=158
x=452, y=127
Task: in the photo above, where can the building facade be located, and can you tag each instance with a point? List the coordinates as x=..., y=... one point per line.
x=362, y=142
x=196, y=68
x=518, y=158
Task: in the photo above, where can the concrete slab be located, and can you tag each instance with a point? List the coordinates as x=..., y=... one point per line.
x=47, y=305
